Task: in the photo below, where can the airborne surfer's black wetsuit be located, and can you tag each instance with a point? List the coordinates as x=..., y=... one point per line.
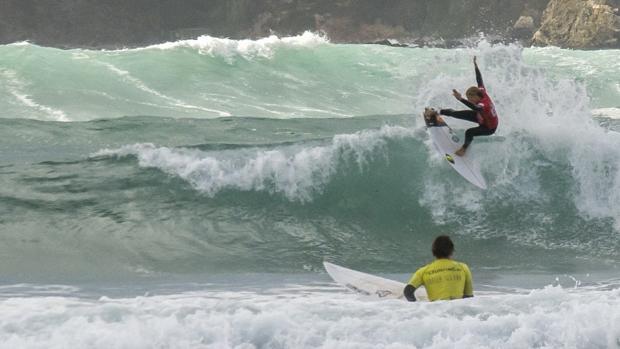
x=473, y=115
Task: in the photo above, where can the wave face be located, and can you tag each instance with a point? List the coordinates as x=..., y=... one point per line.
x=218, y=156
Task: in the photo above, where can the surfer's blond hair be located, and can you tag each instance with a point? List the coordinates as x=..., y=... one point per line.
x=430, y=113
x=474, y=92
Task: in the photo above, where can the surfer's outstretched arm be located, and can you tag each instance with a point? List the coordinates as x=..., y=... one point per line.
x=469, y=104
x=409, y=293
x=478, y=74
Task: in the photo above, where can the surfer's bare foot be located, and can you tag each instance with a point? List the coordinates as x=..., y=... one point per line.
x=460, y=152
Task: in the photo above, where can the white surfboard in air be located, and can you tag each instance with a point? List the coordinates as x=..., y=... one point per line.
x=370, y=285
x=447, y=142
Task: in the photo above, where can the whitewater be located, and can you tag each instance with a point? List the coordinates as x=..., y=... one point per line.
x=185, y=194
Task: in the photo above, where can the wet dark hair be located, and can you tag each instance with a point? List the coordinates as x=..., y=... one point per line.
x=443, y=247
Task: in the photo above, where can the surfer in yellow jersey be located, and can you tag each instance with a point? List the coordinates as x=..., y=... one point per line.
x=444, y=279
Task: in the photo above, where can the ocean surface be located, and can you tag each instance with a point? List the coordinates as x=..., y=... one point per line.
x=185, y=195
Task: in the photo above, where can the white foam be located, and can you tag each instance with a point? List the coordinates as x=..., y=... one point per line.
x=540, y=116
x=298, y=172
x=20, y=43
x=229, y=48
x=313, y=317
x=611, y=113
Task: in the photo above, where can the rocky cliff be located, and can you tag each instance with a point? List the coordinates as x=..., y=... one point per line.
x=114, y=23
x=579, y=23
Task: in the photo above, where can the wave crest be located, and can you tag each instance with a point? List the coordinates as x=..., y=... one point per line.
x=228, y=48
x=297, y=172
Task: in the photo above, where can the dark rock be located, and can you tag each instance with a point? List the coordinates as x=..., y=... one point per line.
x=524, y=28
x=579, y=24
x=389, y=42
x=123, y=23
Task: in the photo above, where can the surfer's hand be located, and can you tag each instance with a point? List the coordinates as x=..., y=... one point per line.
x=456, y=94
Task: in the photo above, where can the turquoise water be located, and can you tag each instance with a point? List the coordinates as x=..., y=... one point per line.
x=300, y=77
x=200, y=164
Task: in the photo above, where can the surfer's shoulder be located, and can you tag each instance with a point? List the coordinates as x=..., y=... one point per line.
x=464, y=266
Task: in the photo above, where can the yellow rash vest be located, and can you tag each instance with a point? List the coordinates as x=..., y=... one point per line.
x=444, y=279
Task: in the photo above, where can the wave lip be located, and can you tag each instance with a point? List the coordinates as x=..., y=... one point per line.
x=246, y=48
x=297, y=172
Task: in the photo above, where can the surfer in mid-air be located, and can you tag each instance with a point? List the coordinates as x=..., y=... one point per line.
x=482, y=111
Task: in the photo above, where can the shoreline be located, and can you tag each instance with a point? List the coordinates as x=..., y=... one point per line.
x=465, y=42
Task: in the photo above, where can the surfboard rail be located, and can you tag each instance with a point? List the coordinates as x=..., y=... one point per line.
x=446, y=143
x=369, y=285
